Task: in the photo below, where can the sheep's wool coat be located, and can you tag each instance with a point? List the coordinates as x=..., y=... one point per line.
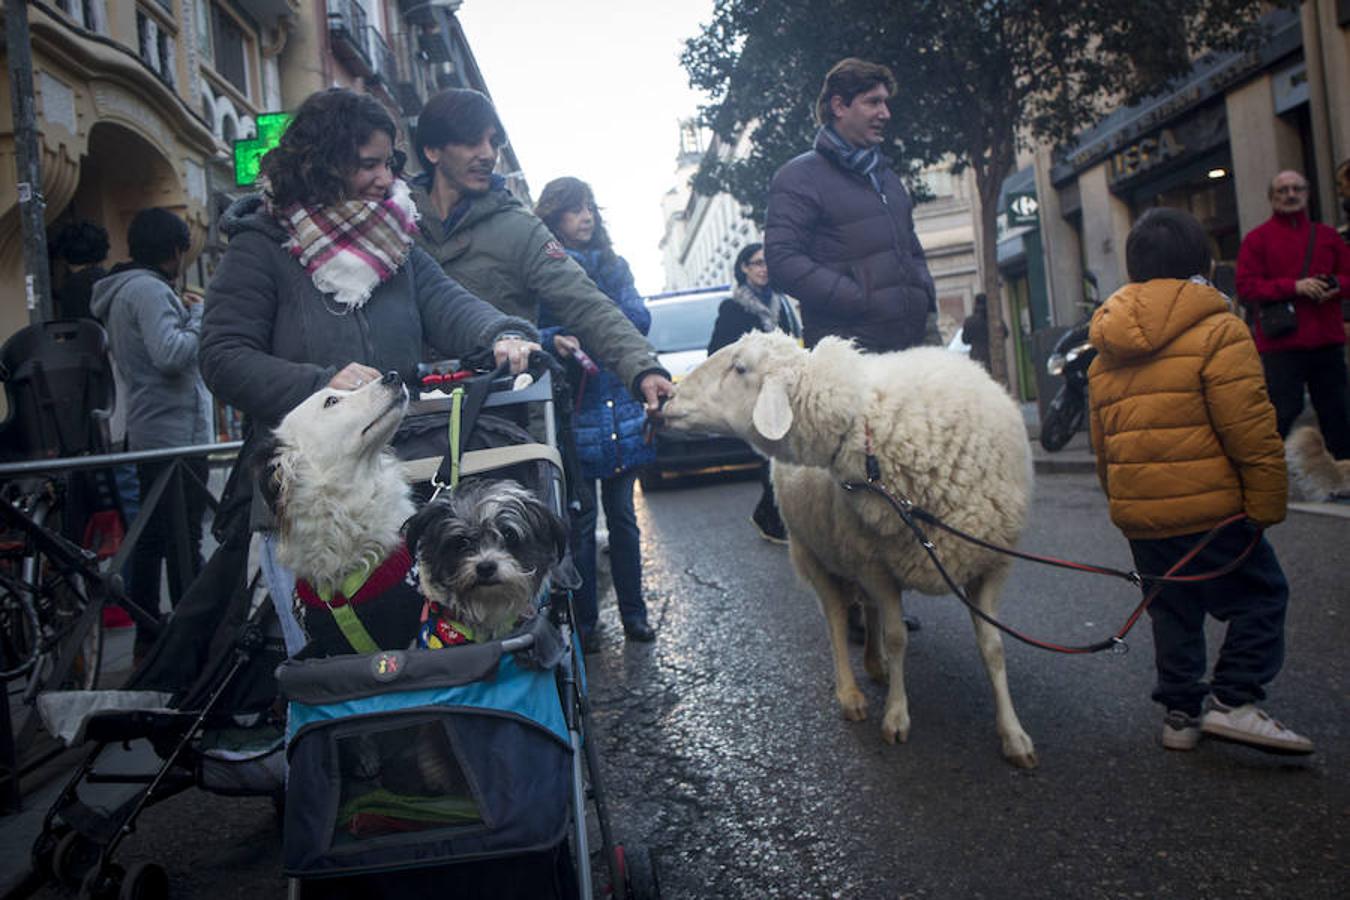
x=946, y=436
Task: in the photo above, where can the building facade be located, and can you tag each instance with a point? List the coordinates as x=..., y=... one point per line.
x=1210, y=145
x=140, y=103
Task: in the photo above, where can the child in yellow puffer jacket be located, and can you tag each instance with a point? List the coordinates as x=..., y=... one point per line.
x=1185, y=436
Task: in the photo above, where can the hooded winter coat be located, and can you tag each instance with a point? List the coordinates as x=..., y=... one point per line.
x=154, y=339
x=270, y=339
x=608, y=423
x=848, y=253
x=1184, y=430
x=503, y=253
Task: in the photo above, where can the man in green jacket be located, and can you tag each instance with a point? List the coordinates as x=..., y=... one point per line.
x=490, y=243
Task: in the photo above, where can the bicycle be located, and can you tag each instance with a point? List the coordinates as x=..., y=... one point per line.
x=44, y=596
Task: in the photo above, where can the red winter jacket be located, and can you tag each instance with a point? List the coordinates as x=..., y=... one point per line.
x=1268, y=265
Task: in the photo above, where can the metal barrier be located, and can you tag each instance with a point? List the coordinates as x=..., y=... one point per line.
x=19, y=753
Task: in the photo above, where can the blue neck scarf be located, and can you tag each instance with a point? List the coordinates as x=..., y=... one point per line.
x=865, y=160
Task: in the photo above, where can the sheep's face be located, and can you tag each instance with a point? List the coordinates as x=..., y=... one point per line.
x=740, y=390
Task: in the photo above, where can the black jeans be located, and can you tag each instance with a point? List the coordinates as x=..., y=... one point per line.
x=157, y=543
x=1252, y=600
x=1323, y=371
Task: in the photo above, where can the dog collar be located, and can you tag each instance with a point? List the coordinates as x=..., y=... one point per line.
x=365, y=583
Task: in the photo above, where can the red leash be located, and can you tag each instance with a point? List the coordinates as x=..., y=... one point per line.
x=911, y=513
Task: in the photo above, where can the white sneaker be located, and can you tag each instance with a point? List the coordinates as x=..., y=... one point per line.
x=1249, y=724
x=1180, y=731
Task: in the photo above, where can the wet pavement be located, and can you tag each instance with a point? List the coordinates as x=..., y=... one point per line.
x=724, y=752
x=727, y=756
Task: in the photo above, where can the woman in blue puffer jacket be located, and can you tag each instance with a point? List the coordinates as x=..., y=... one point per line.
x=608, y=421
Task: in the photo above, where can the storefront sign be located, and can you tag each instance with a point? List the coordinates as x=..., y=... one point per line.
x=1143, y=155
x=1211, y=80
x=1022, y=209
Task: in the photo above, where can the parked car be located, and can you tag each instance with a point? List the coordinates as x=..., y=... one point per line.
x=682, y=323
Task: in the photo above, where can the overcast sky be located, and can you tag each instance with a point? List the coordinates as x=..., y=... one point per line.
x=594, y=89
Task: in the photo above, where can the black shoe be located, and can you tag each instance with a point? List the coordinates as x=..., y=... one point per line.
x=639, y=631
x=769, y=524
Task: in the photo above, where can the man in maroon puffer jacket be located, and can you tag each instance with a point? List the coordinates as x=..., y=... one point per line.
x=1270, y=269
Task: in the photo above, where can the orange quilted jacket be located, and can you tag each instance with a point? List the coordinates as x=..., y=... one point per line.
x=1184, y=430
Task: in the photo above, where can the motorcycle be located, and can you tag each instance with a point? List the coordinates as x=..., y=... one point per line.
x=1070, y=360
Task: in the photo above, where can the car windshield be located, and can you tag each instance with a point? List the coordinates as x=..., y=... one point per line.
x=684, y=324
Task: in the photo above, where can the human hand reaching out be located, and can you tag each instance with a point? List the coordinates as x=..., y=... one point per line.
x=566, y=345
x=352, y=376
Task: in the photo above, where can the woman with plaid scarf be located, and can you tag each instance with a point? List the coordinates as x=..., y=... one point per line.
x=322, y=284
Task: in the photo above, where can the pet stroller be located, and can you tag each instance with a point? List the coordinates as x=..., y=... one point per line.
x=200, y=711
x=465, y=769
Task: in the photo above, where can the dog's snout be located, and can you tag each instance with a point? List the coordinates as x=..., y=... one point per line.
x=390, y=378
x=486, y=569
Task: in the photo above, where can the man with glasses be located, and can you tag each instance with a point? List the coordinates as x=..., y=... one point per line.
x=1290, y=259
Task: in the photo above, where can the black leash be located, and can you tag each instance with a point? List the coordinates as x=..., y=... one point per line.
x=911, y=515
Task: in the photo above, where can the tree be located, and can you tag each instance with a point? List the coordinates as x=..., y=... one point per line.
x=977, y=80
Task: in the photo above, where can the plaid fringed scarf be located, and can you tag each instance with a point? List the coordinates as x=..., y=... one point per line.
x=349, y=248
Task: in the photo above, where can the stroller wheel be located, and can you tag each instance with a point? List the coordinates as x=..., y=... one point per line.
x=639, y=872
x=144, y=881
x=44, y=850
x=101, y=883
x=71, y=858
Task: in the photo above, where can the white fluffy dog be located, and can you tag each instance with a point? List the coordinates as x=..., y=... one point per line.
x=340, y=498
x=946, y=436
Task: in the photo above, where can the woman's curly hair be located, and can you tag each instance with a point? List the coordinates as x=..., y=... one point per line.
x=318, y=151
x=564, y=195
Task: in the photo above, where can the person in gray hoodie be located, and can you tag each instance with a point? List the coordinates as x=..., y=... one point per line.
x=153, y=335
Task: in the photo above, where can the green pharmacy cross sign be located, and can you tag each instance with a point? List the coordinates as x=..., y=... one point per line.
x=248, y=154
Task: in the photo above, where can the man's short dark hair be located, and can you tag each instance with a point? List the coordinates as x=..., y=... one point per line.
x=1167, y=243
x=849, y=78
x=156, y=235
x=82, y=243
x=455, y=116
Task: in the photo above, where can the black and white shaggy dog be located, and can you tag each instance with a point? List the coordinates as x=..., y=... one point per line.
x=483, y=553
x=340, y=501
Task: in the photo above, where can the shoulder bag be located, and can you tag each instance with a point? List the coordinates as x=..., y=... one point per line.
x=1280, y=318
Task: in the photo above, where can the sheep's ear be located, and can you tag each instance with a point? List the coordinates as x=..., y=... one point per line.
x=773, y=413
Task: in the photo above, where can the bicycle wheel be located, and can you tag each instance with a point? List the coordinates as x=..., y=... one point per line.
x=19, y=627
x=61, y=603
x=53, y=602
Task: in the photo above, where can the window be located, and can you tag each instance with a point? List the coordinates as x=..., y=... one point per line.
x=229, y=49
x=158, y=48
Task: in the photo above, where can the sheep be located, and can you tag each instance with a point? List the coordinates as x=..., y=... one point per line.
x=947, y=437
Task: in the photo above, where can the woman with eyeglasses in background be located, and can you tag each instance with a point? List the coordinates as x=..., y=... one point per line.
x=754, y=306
